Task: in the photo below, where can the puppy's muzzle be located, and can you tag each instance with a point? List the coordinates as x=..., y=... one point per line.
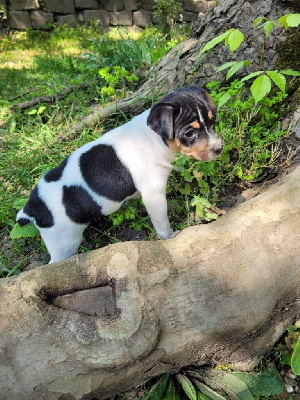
x=216, y=145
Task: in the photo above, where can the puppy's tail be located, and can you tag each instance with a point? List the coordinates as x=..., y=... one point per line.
x=23, y=218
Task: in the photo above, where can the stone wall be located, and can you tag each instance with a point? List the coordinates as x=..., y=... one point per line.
x=42, y=14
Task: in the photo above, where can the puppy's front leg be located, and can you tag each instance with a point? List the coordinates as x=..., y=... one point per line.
x=156, y=205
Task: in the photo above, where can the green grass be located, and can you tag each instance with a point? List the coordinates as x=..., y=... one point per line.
x=34, y=64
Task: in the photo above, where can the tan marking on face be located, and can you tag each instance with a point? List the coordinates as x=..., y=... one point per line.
x=195, y=125
x=200, y=151
x=210, y=115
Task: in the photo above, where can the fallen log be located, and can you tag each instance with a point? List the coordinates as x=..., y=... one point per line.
x=100, y=323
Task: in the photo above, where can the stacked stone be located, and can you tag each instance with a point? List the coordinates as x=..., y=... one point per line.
x=22, y=14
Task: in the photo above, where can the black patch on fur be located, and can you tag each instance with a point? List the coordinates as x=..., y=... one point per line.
x=56, y=173
x=36, y=208
x=23, y=221
x=106, y=174
x=80, y=206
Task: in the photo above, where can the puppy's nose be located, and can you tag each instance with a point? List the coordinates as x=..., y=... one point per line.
x=217, y=149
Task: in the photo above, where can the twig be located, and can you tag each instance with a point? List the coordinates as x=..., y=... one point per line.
x=23, y=94
x=50, y=98
x=275, y=36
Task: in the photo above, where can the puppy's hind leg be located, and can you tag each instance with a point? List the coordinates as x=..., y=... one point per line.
x=62, y=242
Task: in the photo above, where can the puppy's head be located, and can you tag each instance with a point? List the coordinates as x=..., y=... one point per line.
x=185, y=120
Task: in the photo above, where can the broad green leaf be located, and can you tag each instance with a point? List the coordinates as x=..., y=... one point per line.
x=226, y=65
x=235, y=39
x=171, y=393
x=290, y=72
x=28, y=230
x=252, y=75
x=223, y=99
x=187, y=386
x=206, y=390
x=20, y=203
x=236, y=67
x=278, y=79
x=212, y=43
x=295, y=361
x=186, y=189
x=41, y=110
x=235, y=387
x=293, y=20
x=260, y=87
x=262, y=383
x=158, y=390
x=32, y=112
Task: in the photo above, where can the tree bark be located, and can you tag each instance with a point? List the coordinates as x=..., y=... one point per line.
x=103, y=322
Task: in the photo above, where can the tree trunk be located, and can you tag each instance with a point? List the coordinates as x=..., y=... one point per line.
x=182, y=65
x=103, y=322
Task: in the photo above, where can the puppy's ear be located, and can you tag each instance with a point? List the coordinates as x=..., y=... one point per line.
x=210, y=102
x=160, y=120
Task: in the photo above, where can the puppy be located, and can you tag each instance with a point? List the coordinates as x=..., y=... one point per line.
x=130, y=161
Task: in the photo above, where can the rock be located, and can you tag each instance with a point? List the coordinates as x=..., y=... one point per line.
x=101, y=16
x=112, y=5
x=18, y=5
x=19, y=20
x=87, y=4
x=59, y=6
x=142, y=18
x=69, y=19
x=130, y=5
x=121, y=18
x=41, y=19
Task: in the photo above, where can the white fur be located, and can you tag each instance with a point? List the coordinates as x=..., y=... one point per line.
x=148, y=160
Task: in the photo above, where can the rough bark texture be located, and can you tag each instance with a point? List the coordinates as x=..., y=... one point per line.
x=100, y=323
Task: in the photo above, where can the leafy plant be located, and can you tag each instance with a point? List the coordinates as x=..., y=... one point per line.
x=28, y=230
x=213, y=384
x=118, y=81
x=166, y=11
x=262, y=83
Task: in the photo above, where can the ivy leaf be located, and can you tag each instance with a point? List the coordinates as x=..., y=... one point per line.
x=234, y=39
x=293, y=20
x=25, y=231
x=212, y=43
x=278, y=79
x=295, y=361
x=268, y=26
x=187, y=386
x=260, y=87
x=250, y=76
x=257, y=21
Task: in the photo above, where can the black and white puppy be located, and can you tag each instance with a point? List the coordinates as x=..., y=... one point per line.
x=130, y=161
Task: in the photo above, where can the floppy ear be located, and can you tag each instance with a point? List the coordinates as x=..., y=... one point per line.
x=160, y=120
x=210, y=102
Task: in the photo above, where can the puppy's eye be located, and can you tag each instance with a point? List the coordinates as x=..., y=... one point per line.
x=189, y=134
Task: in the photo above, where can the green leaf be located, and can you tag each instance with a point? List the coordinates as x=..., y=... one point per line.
x=235, y=39
x=206, y=390
x=257, y=22
x=158, y=390
x=28, y=230
x=20, y=203
x=293, y=20
x=32, y=112
x=187, y=386
x=290, y=72
x=262, y=383
x=278, y=79
x=268, y=26
x=186, y=189
x=41, y=110
x=234, y=69
x=250, y=76
x=212, y=43
x=223, y=99
x=295, y=362
x=226, y=65
x=260, y=87
x=171, y=393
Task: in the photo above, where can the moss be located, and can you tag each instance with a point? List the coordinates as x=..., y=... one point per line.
x=289, y=51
